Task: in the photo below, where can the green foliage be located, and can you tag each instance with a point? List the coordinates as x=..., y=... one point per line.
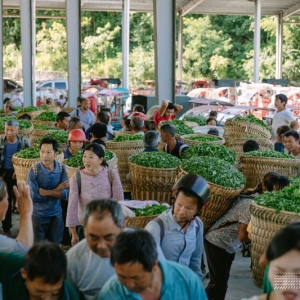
x=159, y=160
x=269, y=153
x=152, y=210
x=215, y=170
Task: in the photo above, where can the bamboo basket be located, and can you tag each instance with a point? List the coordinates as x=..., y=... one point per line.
x=265, y=223
x=68, y=109
x=236, y=145
x=54, y=109
x=191, y=124
x=220, y=201
x=123, y=150
x=152, y=183
x=255, y=168
x=32, y=114
x=41, y=132
x=112, y=164
x=117, y=133
x=237, y=129
x=185, y=139
x=38, y=122
x=22, y=165
x=139, y=222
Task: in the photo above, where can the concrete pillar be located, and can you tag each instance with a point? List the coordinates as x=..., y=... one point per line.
x=125, y=42
x=180, y=46
x=279, y=41
x=164, y=38
x=257, y=17
x=27, y=13
x=73, y=21
x=1, y=55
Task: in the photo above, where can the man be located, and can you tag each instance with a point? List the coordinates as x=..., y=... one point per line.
x=137, y=125
x=291, y=143
x=282, y=116
x=49, y=185
x=167, y=112
x=9, y=109
x=102, y=117
x=62, y=119
x=98, y=132
x=179, y=231
x=88, y=261
x=39, y=275
x=140, y=275
x=151, y=141
x=84, y=113
x=213, y=114
x=173, y=146
x=17, y=99
x=24, y=239
x=50, y=102
x=75, y=123
x=10, y=143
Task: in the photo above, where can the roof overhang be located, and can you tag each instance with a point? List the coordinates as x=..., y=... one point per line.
x=215, y=7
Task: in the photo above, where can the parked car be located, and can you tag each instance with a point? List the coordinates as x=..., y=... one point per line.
x=55, y=84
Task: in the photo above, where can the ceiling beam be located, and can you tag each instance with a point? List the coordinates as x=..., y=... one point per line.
x=190, y=6
x=291, y=10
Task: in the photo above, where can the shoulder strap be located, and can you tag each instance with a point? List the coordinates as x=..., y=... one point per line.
x=198, y=227
x=34, y=168
x=181, y=148
x=78, y=179
x=160, y=222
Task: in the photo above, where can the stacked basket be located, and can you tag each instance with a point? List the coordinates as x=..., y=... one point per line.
x=124, y=150
x=139, y=222
x=255, y=168
x=238, y=128
x=265, y=223
x=236, y=145
x=22, y=165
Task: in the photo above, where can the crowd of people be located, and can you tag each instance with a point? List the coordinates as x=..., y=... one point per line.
x=82, y=216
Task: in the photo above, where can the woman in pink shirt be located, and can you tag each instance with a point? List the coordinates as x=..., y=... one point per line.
x=96, y=182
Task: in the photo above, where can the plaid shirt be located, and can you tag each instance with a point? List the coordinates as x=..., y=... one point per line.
x=23, y=143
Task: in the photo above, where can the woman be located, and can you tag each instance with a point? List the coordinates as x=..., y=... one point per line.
x=225, y=237
x=94, y=181
x=283, y=255
x=76, y=140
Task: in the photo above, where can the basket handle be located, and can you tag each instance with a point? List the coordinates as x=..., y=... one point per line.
x=245, y=127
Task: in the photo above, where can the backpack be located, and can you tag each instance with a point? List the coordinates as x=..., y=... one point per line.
x=160, y=222
x=78, y=179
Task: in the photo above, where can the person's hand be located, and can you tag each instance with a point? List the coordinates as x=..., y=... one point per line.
x=75, y=239
x=62, y=186
x=14, y=175
x=22, y=193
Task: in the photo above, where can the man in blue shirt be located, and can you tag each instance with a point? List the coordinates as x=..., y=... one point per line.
x=173, y=146
x=49, y=185
x=139, y=275
x=151, y=141
x=179, y=231
x=10, y=143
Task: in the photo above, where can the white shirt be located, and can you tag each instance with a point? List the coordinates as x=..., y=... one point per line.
x=285, y=117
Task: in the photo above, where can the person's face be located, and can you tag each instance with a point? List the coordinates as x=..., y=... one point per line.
x=134, y=277
x=185, y=207
x=212, y=123
x=101, y=234
x=3, y=206
x=39, y=290
x=11, y=133
x=76, y=146
x=164, y=136
x=284, y=274
x=86, y=104
x=169, y=113
x=64, y=123
x=278, y=104
x=6, y=108
x=47, y=155
x=290, y=143
x=91, y=161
